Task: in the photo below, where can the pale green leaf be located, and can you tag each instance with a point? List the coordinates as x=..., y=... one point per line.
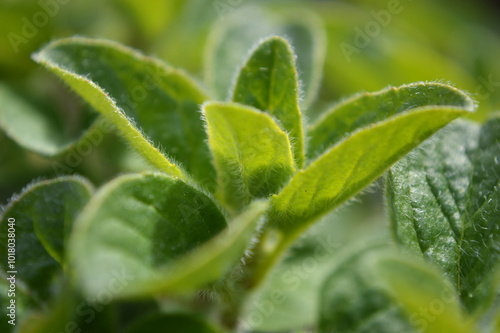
x=353, y=300
x=430, y=302
x=374, y=290
x=33, y=127
x=365, y=109
x=444, y=205
x=43, y=214
x=252, y=154
x=268, y=81
x=141, y=229
x=289, y=298
x=137, y=93
x=241, y=30
x=354, y=163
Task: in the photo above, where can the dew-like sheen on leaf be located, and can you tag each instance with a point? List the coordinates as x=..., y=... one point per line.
x=444, y=203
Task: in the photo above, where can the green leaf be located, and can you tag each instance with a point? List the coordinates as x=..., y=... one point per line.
x=35, y=128
x=354, y=163
x=252, y=154
x=375, y=291
x=141, y=229
x=268, y=81
x=175, y=323
x=239, y=32
x=134, y=90
x=57, y=317
x=444, y=202
x=216, y=257
x=353, y=300
x=43, y=216
x=22, y=303
x=430, y=302
x=365, y=109
x=289, y=298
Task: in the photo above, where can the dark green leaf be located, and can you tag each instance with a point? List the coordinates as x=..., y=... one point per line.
x=43, y=216
x=268, y=81
x=444, y=205
x=133, y=90
x=172, y=323
x=353, y=300
x=239, y=32
x=252, y=154
x=141, y=230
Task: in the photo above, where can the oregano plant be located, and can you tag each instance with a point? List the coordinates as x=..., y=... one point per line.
x=236, y=177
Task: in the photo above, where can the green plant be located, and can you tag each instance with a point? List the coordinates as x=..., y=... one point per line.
x=235, y=185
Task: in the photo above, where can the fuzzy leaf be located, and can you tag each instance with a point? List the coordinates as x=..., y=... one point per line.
x=252, y=154
x=140, y=228
x=444, y=203
x=242, y=30
x=134, y=90
x=44, y=215
x=268, y=81
x=365, y=109
x=353, y=164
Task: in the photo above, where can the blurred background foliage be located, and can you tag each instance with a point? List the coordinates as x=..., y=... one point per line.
x=446, y=40
x=451, y=41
